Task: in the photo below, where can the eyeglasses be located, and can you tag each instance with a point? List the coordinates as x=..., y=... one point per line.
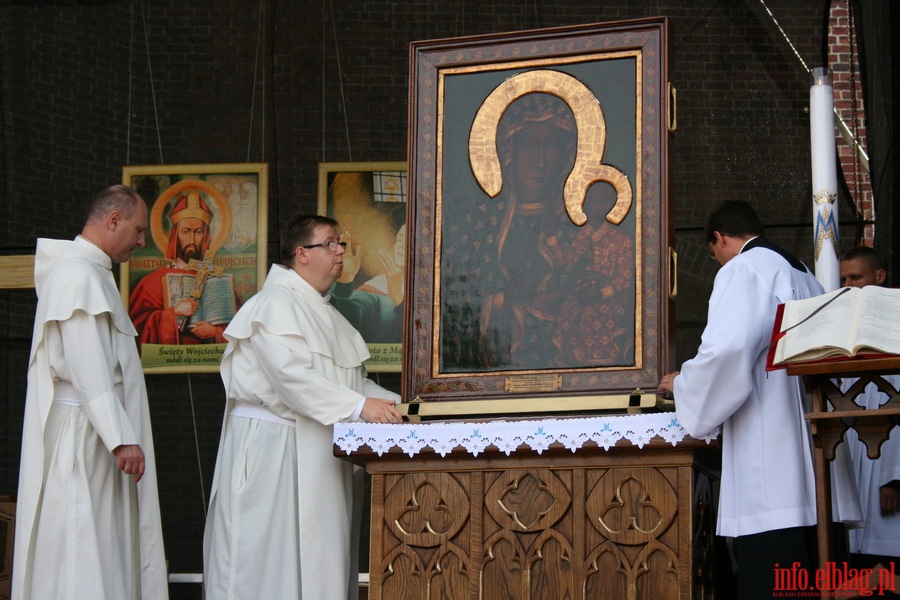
x=332, y=245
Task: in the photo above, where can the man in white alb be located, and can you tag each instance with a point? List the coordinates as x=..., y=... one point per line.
x=279, y=522
x=87, y=522
x=767, y=500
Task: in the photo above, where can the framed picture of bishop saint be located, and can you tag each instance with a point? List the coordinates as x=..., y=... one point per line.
x=205, y=255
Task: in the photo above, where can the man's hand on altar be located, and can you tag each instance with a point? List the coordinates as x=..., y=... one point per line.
x=185, y=307
x=667, y=385
x=378, y=410
x=352, y=259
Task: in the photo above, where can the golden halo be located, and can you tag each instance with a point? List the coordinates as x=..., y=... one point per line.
x=591, y=126
x=158, y=214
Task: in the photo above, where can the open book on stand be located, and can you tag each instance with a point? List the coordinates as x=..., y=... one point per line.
x=849, y=322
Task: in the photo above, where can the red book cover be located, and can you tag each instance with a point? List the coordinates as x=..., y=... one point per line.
x=777, y=334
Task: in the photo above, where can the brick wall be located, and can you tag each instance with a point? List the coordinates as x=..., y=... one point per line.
x=843, y=57
x=89, y=87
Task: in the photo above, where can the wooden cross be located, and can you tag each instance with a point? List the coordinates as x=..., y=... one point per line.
x=204, y=269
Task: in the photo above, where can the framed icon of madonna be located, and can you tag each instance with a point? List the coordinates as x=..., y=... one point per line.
x=541, y=276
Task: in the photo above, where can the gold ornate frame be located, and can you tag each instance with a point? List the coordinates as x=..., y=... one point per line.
x=368, y=199
x=237, y=196
x=613, y=78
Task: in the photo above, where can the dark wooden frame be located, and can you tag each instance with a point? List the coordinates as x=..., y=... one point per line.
x=487, y=61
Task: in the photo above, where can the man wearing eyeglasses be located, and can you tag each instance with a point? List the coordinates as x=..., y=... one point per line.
x=279, y=523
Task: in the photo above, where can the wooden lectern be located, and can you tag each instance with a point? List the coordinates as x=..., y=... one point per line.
x=828, y=426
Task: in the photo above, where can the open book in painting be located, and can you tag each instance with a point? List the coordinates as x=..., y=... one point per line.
x=848, y=322
x=216, y=305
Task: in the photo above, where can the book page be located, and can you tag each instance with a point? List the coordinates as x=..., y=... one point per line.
x=831, y=330
x=217, y=304
x=879, y=324
x=177, y=286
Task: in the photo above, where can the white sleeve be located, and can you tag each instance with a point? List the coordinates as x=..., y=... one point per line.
x=288, y=366
x=357, y=411
x=373, y=390
x=890, y=458
x=718, y=380
x=90, y=366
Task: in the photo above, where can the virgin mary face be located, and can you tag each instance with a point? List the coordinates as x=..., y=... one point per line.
x=539, y=156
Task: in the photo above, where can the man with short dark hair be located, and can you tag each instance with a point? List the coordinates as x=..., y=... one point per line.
x=87, y=522
x=861, y=266
x=767, y=500
x=279, y=523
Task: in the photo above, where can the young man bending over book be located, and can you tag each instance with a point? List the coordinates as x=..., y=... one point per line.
x=878, y=541
x=767, y=501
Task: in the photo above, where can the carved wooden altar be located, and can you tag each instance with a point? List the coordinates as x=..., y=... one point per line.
x=623, y=523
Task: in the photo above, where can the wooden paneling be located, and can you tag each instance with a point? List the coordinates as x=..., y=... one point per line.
x=624, y=525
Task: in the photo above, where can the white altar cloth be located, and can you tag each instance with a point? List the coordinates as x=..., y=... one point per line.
x=508, y=435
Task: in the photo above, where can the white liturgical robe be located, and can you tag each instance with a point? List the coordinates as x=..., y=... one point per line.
x=767, y=467
x=84, y=529
x=879, y=535
x=279, y=523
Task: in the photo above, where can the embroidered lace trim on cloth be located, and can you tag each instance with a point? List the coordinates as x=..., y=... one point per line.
x=509, y=435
